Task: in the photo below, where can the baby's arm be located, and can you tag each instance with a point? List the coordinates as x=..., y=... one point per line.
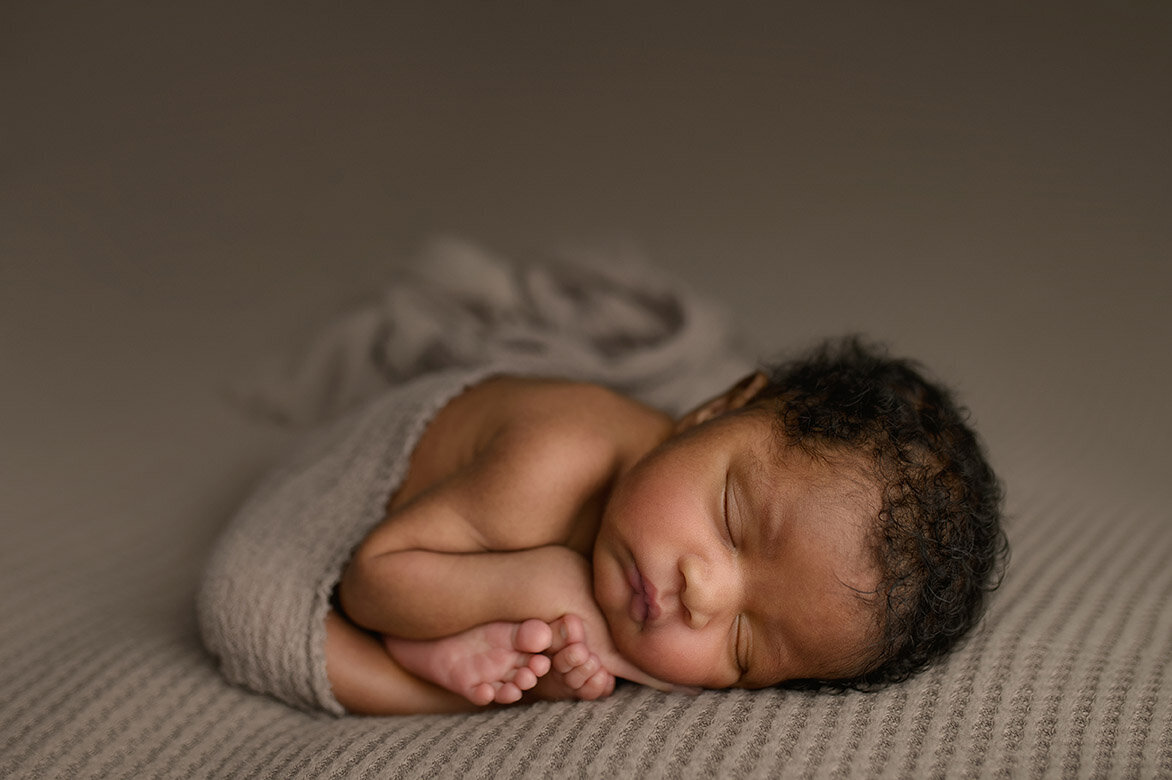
x=546, y=584
x=422, y=594
x=494, y=662
x=433, y=605
x=487, y=543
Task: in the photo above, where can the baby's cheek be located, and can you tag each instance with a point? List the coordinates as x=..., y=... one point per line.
x=673, y=658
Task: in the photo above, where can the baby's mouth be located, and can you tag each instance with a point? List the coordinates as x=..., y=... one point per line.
x=643, y=606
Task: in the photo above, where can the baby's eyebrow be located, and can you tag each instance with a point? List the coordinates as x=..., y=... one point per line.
x=756, y=493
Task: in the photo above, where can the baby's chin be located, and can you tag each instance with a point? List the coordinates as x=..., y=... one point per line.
x=628, y=642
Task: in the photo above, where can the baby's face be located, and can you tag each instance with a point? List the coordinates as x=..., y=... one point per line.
x=725, y=559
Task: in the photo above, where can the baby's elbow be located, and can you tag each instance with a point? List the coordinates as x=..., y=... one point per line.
x=353, y=588
x=368, y=582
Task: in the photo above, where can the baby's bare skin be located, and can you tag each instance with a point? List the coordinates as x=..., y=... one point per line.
x=494, y=662
x=493, y=524
x=535, y=506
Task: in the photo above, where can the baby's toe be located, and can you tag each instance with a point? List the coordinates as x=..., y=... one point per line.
x=482, y=694
x=571, y=657
x=524, y=678
x=507, y=694
x=533, y=636
x=539, y=664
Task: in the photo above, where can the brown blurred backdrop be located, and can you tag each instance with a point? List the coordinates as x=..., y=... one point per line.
x=186, y=187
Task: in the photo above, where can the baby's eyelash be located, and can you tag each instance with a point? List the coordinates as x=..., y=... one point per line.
x=741, y=664
x=724, y=503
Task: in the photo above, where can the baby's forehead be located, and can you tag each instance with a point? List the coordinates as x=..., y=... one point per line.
x=834, y=471
x=830, y=497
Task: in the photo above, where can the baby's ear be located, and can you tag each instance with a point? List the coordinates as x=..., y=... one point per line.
x=731, y=399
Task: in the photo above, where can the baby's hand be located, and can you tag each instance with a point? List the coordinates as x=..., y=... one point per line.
x=576, y=669
x=586, y=664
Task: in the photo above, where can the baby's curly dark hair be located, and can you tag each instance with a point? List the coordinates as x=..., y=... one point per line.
x=938, y=540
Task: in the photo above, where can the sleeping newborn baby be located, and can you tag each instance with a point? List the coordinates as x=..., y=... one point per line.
x=833, y=523
x=476, y=537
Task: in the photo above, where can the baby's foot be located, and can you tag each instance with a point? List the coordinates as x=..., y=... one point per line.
x=495, y=662
x=579, y=671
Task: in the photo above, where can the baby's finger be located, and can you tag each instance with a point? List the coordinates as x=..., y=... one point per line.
x=620, y=667
x=598, y=686
x=571, y=657
x=577, y=677
x=567, y=630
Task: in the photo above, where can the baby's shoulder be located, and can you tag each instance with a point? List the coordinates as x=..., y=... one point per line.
x=546, y=452
x=528, y=462
x=575, y=435
x=557, y=413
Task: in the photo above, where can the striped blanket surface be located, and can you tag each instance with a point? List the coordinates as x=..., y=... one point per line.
x=102, y=675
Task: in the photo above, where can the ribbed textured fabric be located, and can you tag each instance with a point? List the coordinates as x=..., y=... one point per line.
x=102, y=673
x=263, y=599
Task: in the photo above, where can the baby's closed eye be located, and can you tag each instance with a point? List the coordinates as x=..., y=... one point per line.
x=724, y=501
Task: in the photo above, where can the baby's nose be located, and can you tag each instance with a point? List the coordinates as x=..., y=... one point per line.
x=705, y=591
